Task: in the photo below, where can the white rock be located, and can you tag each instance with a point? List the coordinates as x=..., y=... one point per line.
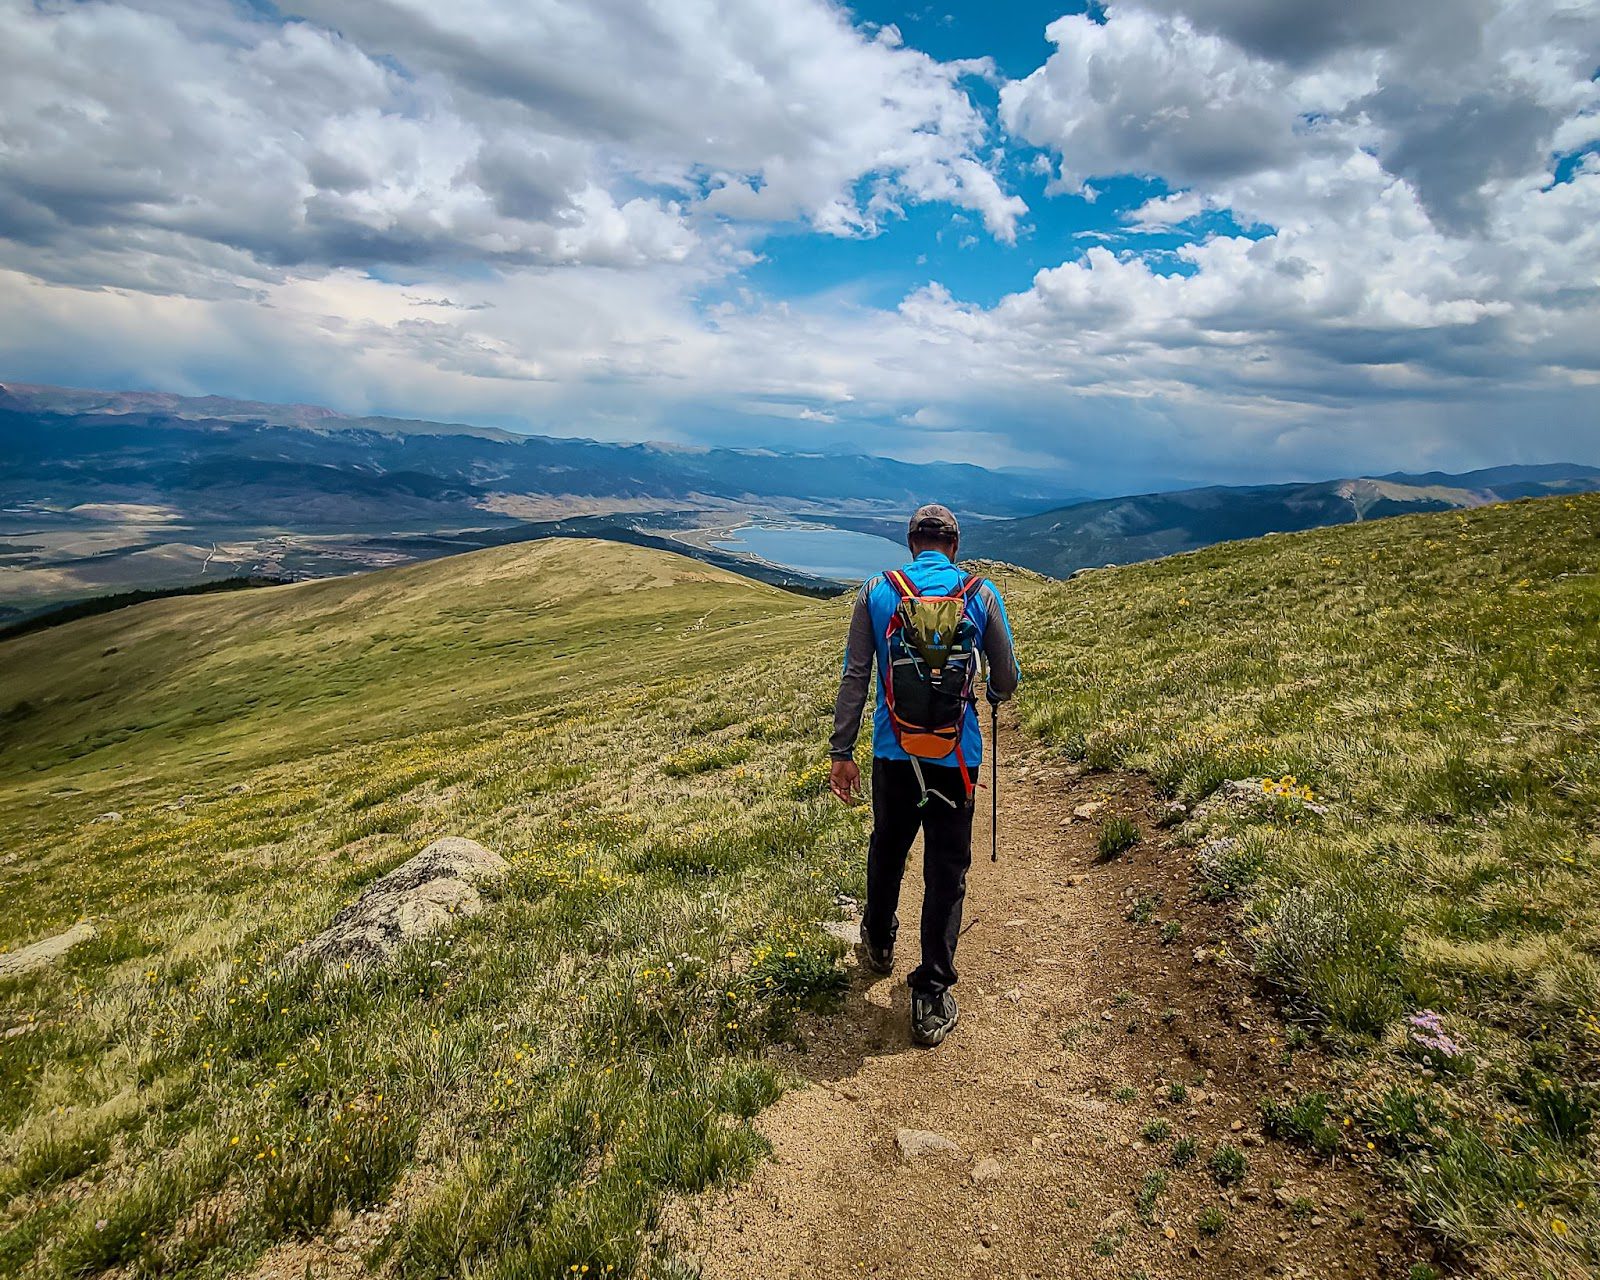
x=421, y=896
x=914, y=1143
x=46, y=951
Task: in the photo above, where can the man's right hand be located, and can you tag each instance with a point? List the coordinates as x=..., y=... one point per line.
x=844, y=780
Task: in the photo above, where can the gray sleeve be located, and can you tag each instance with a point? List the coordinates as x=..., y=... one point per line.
x=854, y=685
x=998, y=647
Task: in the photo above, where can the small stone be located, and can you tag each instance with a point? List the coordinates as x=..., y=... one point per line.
x=987, y=1171
x=914, y=1143
x=111, y=816
x=1237, y=1126
x=1014, y=995
x=1087, y=810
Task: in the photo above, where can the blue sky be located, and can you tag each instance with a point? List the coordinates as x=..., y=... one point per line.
x=1167, y=241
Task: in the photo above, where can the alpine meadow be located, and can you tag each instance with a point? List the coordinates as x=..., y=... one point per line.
x=208, y=780
x=836, y=640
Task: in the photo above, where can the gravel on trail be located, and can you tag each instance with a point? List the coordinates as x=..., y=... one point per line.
x=1089, y=1046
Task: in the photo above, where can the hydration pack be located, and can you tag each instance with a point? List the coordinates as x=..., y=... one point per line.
x=933, y=662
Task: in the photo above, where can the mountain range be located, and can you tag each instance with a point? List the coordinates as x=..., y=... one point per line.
x=105, y=492
x=1084, y=535
x=211, y=458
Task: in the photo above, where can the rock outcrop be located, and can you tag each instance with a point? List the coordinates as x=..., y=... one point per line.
x=46, y=951
x=421, y=896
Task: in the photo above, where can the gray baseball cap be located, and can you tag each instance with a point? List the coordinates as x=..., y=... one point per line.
x=934, y=519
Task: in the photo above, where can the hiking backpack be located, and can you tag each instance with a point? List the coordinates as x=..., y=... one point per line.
x=933, y=661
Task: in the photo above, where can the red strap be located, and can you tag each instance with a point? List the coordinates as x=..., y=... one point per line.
x=972, y=585
x=902, y=584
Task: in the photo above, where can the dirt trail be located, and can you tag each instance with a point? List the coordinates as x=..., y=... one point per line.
x=1076, y=1021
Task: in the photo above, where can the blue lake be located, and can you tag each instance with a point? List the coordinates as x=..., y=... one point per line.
x=841, y=554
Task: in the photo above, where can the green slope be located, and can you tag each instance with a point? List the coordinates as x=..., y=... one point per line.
x=1435, y=682
x=280, y=671
x=637, y=733
x=644, y=738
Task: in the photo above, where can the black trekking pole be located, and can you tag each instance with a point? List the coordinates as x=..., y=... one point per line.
x=994, y=780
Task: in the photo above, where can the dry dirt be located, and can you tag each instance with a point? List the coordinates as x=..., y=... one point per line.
x=1076, y=1021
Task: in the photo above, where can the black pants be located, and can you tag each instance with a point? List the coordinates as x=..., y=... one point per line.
x=946, y=855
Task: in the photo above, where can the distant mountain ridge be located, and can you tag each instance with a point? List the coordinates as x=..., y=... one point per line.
x=202, y=454
x=1147, y=526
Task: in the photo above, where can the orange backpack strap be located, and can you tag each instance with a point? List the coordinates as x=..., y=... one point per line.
x=972, y=586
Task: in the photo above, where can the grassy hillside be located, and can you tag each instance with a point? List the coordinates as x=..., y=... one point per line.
x=632, y=730
x=643, y=737
x=1434, y=683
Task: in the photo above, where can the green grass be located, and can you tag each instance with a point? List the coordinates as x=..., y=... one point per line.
x=1151, y=1189
x=1434, y=682
x=527, y=1090
x=1306, y=1119
x=1228, y=1164
x=1117, y=835
x=644, y=739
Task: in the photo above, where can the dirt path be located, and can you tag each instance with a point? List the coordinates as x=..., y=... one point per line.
x=1077, y=1023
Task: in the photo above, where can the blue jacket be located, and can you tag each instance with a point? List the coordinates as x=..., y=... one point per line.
x=876, y=602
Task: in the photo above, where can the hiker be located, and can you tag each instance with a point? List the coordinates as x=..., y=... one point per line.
x=925, y=623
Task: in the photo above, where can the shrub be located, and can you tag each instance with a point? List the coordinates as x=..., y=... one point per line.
x=1118, y=834
x=1184, y=1151
x=1305, y=1120
x=1150, y=1190
x=1211, y=1221
x=1228, y=1164
x=1230, y=864
x=1337, y=943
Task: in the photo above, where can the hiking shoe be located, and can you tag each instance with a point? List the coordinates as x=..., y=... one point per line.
x=878, y=959
x=933, y=1017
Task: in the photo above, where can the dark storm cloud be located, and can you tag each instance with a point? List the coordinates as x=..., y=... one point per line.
x=1303, y=33
x=1450, y=150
